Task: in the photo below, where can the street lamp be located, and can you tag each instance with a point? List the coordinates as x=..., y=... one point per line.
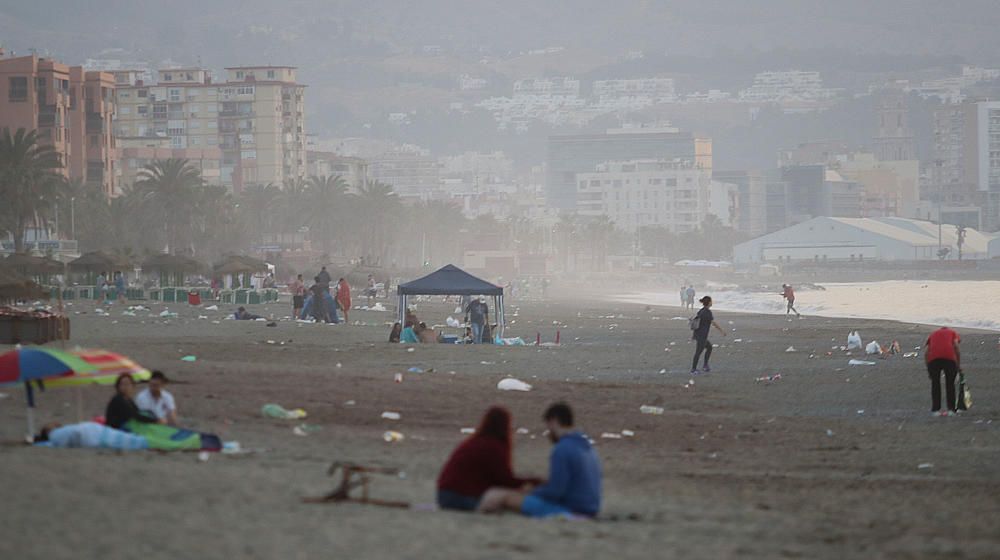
x=72, y=217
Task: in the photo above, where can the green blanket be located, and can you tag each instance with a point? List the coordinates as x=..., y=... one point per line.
x=169, y=438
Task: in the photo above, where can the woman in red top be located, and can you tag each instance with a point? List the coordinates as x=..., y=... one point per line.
x=479, y=463
x=344, y=298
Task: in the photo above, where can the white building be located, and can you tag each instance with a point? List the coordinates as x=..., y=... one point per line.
x=856, y=239
x=654, y=88
x=640, y=193
x=561, y=86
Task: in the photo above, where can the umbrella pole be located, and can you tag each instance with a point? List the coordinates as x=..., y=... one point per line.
x=29, y=437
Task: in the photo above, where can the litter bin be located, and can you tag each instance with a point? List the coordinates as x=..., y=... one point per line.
x=194, y=298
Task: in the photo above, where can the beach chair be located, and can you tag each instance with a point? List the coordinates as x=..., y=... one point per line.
x=354, y=476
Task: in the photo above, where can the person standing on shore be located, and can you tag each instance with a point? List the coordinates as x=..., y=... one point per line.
x=344, y=298
x=298, y=290
x=690, y=296
x=705, y=321
x=684, y=297
x=942, y=355
x=789, y=294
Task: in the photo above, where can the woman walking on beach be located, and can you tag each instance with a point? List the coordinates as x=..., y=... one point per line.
x=344, y=298
x=705, y=321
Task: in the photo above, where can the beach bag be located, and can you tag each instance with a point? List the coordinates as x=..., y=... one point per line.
x=964, y=394
x=853, y=341
x=694, y=322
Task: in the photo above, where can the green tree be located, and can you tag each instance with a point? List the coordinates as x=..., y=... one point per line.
x=327, y=197
x=167, y=190
x=29, y=182
x=378, y=208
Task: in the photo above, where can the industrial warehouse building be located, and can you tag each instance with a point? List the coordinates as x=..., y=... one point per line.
x=827, y=239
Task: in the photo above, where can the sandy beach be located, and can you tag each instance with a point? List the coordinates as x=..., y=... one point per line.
x=829, y=461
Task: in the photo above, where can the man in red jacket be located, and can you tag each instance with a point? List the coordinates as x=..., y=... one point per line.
x=942, y=356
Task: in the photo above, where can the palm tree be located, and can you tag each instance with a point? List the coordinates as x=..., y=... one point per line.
x=168, y=188
x=29, y=181
x=326, y=197
x=379, y=208
x=257, y=205
x=598, y=231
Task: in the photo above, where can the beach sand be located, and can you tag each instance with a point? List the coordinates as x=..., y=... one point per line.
x=823, y=463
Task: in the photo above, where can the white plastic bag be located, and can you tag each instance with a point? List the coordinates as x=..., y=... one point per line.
x=873, y=348
x=511, y=384
x=854, y=341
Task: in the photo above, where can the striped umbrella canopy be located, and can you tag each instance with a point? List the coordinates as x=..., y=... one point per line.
x=48, y=367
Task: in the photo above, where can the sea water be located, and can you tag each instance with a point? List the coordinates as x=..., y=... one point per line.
x=968, y=304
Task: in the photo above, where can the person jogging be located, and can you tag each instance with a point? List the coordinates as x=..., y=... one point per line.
x=789, y=294
x=704, y=321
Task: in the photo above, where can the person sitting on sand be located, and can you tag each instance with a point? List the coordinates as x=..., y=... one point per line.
x=428, y=335
x=409, y=334
x=481, y=462
x=89, y=435
x=156, y=400
x=122, y=407
x=397, y=330
x=574, y=485
x=243, y=315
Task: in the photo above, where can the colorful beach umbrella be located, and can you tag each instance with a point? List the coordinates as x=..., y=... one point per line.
x=61, y=368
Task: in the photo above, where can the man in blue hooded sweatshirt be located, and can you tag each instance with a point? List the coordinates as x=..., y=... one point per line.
x=574, y=485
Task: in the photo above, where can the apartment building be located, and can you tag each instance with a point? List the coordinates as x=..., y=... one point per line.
x=672, y=194
x=654, y=88
x=569, y=155
x=353, y=170
x=414, y=175
x=136, y=153
x=71, y=108
x=255, y=118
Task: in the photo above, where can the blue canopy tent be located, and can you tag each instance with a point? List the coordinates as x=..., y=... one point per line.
x=452, y=281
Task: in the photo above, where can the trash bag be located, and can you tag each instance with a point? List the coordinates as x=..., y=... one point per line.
x=854, y=341
x=964, y=393
x=873, y=348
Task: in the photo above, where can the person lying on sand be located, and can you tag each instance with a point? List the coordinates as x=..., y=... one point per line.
x=574, y=485
x=243, y=315
x=89, y=435
x=481, y=462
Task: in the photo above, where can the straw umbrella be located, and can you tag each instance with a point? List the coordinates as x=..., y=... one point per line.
x=239, y=264
x=96, y=262
x=172, y=267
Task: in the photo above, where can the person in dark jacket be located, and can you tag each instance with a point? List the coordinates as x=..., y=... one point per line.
x=122, y=407
x=700, y=335
x=481, y=462
x=574, y=485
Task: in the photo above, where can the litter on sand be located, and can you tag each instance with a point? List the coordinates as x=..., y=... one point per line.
x=511, y=384
x=873, y=348
x=468, y=430
x=854, y=341
x=393, y=436
x=628, y=433
x=649, y=409
x=272, y=410
x=768, y=378
x=925, y=466
x=189, y=358
x=860, y=363
x=611, y=435
x=212, y=308
x=390, y=415
x=791, y=349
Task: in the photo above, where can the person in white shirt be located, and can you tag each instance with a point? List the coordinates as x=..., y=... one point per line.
x=158, y=401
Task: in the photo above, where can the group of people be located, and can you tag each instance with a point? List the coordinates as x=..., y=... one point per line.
x=687, y=297
x=478, y=476
x=113, y=289
x=477, y=330
x=147, y=420
x=321, y=300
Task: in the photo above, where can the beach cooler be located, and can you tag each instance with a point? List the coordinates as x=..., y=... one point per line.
x=194, y=298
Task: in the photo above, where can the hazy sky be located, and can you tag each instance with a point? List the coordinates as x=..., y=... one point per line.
x=184, y=28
